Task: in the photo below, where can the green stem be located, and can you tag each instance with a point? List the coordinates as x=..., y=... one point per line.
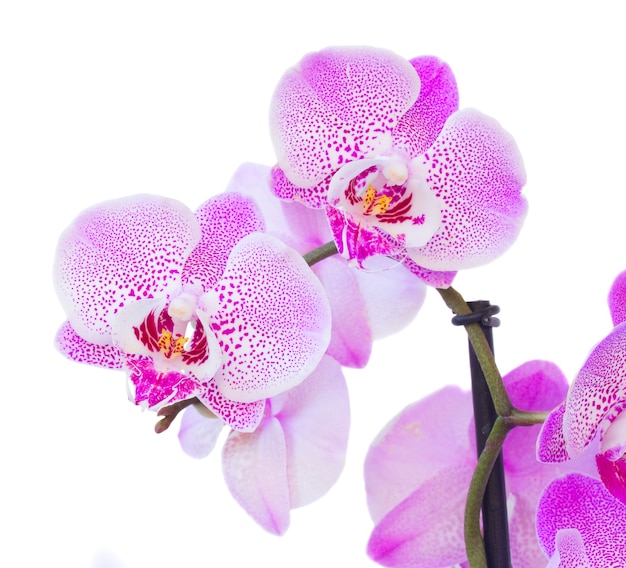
x=501, y=400
x=525, y=418
x=474, y=545
x=320, y=253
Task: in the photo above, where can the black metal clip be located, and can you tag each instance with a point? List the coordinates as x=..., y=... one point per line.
x=482, y=316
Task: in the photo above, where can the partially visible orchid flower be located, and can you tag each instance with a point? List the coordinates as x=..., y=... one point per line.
x=364, y=306
x=294, y=456
x=190, y=305
x=595, y=405
x=403, y=174
x=418, y=471
x=581, y=525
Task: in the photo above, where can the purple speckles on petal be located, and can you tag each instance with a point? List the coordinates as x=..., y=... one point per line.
x=121, y=251
x=240, y=416
x=338, y=105
x=474, y=166
x=582, y=503
x=224, y=220
x=78, y=349
x=272, y=320
x=598, y=392
x=438, y=99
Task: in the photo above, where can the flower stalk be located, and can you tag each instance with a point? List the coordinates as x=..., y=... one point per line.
x=320, y=253
x=475, y=546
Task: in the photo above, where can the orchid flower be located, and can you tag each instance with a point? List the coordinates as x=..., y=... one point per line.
x=378, y=141
x=364, y=306
x=581, y=525
x=418, y=471
x=190, y=305
x=294, y=456
x=594, y=405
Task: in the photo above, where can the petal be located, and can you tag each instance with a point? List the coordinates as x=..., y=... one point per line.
x=392, y=298
x=272, y=318
x=74, y=347
x=613, y=475
x=301, y=227
x=525, y=550
x=617, y=299
x=338, y=105
x=434, y=278
x=224, y=220
x=536, y=386
x=425, y=438
x=551, y=446
x=570, y=551
x=154, y=389
x=314, y=196
x=474, y=166
x=117, y=252
x=418, y=128
x=426, y=529
x=255, y=470
x=582, y=503
x=315, y=417
x=240, y=416
x=351, y=334
x=198, y=433
x=598, y=392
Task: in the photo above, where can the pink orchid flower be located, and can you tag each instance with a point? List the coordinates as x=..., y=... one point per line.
x=594, y=405
x=364, y=306
x=581, y=525
x=418, y=471
x=403, y=174
x=190, y=305
x=294, y=456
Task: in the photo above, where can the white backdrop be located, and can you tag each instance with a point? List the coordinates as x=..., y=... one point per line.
x=105, y=99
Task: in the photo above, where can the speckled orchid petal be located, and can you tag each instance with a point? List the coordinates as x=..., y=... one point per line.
x=434, y=278
x=198, y=433
x=271, y=317
x=315, y=417
x=117, y=252
x=474, y=166
x=551, y=446
x=255, y=470
x=314, y=196
x=418, y=128
x=582, y=503
x=598, y=391
x=569, y=551
x=425, y=529
x=617, y=299
x=338, y=105
x=74, y=347
x=224, y=220
x=240, y=416
x=436, y=429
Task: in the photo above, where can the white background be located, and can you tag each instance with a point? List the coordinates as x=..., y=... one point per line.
x=105, y=99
